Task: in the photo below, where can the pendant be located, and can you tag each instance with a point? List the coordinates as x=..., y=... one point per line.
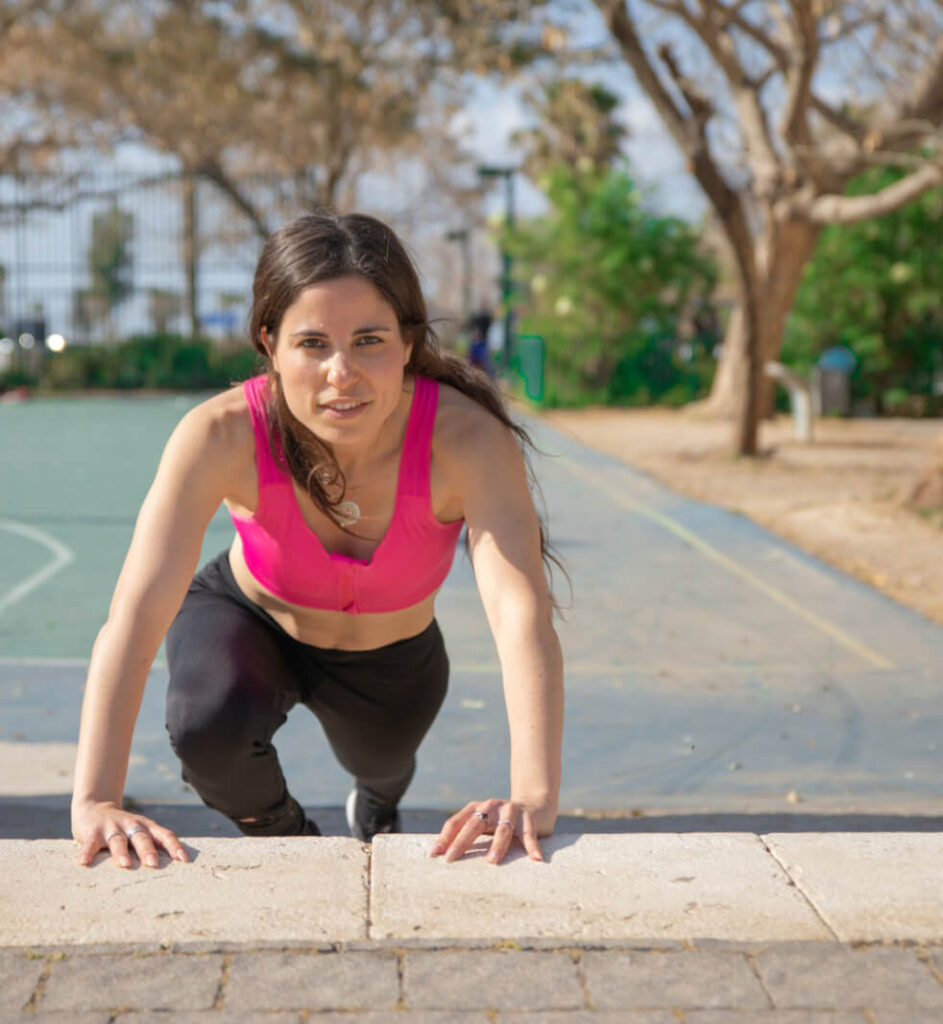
x=348, y=513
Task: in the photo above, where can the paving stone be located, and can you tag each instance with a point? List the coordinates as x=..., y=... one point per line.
x=288, y=889
x=827, y=976
x=211, y=1017
x=63, y=1017
x=617, y=980
x=492, y=981
x=18, y=976
x=414, y=1017
x=313, y=981
x=886, y=1016
x=774, y=1017
x=134, y=982
x=876, y=887
x=592, y=887
x=590, y=1017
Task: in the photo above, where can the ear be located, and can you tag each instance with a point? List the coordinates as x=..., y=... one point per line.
x=266, y=342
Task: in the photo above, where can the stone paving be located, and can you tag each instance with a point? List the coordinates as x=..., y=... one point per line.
x=783, y=930
x=779, y=983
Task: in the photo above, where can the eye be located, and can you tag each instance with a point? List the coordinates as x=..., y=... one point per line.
x=311, y=343
x=369, y=339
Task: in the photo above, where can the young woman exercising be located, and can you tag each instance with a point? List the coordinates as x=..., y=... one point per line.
x=348, y=470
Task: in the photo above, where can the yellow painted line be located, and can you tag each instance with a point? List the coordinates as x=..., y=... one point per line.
x=842, y=638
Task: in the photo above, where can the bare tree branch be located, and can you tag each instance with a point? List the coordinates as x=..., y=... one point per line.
x=837, y=209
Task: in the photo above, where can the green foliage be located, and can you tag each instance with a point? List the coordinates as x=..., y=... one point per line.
x=875, y=287
x=110, y=257
x=611, y=287
x=161, y=361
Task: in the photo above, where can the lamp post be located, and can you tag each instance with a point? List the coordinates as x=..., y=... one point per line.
x=463, y=235
x=507, y=284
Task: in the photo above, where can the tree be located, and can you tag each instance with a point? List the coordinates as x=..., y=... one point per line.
x=776, y=106
x=875, y=287
x=309, y=91
x=575, y=121
x=610, y=287
x=111, y=262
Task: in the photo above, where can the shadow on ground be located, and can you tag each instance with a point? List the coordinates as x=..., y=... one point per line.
x=48, y=818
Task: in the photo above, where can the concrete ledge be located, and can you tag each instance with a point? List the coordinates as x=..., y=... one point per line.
x=295, y=890
x=592, y=887
x=645, y=890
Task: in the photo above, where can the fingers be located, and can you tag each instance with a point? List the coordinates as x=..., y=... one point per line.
x=505, y=827
x=504, y=819
x=529, y=837
x=464, y=828
x=139, y=836
x=117, y=843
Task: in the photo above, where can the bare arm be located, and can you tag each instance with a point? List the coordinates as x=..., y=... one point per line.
x=189, y=485
x=504, y=537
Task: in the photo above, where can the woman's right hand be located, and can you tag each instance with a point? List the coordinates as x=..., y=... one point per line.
x=105, y=826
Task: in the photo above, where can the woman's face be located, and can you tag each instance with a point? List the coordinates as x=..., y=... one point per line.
x=340, y=357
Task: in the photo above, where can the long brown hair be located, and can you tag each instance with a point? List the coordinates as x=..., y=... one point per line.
x=322, y=246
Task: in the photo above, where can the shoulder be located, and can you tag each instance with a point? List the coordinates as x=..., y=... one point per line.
x=218, y=428
x=463, y=424
x=470, y=442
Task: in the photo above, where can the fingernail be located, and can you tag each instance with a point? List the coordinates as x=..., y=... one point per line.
x=181, y=855
x=125, y=862
x=436, y=850
x=151, y=861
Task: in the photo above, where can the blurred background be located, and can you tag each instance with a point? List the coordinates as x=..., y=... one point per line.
x=656, y=199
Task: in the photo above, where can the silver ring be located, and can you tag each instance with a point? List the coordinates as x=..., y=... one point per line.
x=506, y=821
x=482, y=815
x=132, y=832
x=111, y=835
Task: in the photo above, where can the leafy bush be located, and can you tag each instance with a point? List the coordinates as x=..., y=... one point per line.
x=164, y=362
x=613, y=289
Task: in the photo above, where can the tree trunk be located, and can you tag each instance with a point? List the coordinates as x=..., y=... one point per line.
x=780, y=261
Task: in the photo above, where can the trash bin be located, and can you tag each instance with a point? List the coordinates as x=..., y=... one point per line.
x=833, y=380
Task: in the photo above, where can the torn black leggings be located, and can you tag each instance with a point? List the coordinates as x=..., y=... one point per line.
x=234, y=676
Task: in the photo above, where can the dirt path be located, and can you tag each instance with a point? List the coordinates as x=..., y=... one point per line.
x=838, y=498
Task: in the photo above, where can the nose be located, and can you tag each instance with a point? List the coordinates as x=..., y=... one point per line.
x=341, y=371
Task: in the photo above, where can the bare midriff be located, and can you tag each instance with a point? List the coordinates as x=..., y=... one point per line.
x=331, y=629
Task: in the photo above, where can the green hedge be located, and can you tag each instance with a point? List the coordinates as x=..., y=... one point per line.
x=166, y=362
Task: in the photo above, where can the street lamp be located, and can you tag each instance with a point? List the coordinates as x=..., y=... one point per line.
x=463, y=235
x=507, y=284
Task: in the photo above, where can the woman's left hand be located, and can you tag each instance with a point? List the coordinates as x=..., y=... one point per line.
x=503, y=819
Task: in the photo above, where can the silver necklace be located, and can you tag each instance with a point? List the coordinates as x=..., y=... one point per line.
x=348, y=513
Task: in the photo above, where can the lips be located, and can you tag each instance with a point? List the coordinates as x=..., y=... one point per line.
x=343, y=407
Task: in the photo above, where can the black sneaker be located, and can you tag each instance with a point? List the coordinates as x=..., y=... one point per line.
x=365, y=819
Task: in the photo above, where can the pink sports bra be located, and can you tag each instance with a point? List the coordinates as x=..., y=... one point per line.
x=287, y=557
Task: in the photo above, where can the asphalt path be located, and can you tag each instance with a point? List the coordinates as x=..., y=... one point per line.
x=711, y=667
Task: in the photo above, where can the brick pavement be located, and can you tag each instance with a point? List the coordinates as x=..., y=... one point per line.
x=710, y=983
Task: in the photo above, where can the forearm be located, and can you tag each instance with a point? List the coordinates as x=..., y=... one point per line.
x=121, y=659
x=532, y=668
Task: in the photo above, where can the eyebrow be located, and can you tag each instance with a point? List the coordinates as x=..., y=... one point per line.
x=311, y=333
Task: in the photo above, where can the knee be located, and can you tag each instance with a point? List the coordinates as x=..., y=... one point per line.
x=212, y=723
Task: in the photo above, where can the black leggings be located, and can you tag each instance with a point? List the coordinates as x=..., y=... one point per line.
x=234, y=676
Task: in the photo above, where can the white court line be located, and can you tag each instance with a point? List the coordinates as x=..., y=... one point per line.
x=62, y=558
x=734, y=568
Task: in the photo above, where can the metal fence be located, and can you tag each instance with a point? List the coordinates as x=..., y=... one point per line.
x=103, y=255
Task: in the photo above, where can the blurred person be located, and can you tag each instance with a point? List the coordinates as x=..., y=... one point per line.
x=348, y=469
x=479, y=352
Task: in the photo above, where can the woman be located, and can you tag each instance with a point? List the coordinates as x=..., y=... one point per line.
x=348, y=471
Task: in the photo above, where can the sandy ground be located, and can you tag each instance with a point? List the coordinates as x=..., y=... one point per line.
x=839, y=498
